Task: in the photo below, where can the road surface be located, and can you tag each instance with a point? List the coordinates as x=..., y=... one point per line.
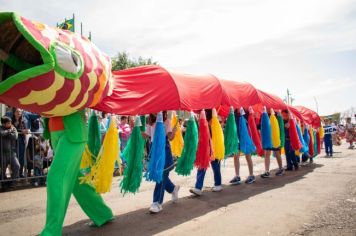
x=319, y=199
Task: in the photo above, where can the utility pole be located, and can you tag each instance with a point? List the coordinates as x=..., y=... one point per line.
x=289, y=99
x=317, y=106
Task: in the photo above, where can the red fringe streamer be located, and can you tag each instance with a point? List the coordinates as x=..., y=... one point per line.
x=293, y=135
x=311, y=144
x=255, y=135
x=204, y=151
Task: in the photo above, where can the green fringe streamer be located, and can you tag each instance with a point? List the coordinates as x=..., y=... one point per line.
x=133, y=154
x=230, y=135
x=281, y=129
x=185, y=163
x=94, y=134
x=143, y=123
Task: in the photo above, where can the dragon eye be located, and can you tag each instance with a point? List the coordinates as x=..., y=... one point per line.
x=68, y=62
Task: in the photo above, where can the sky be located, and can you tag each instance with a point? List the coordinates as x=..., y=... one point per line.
x=307, y=46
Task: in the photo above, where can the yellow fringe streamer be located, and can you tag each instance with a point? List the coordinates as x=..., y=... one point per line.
x=101, y=174
x=217, y=139
x=276, y=140
x=177, y=143
x=321, y=132
x=87, y=158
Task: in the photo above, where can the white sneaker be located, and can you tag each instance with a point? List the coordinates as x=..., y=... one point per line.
x=217, y=188
x=175, y=193
x=195, y=191
x=155, y=207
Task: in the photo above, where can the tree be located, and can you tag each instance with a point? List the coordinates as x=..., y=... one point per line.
x=123, y=61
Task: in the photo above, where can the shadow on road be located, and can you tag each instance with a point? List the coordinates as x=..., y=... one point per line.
x=140, y=222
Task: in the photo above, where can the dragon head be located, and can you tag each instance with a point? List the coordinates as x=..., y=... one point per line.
x=65, y=72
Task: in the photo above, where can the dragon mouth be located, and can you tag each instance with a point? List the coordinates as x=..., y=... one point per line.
x=14, y=44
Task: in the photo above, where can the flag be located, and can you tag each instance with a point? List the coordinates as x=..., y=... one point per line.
x=67, y=25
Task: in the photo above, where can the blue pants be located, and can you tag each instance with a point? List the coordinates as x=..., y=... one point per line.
x=328, y=142
x=166, y=184
x=290, y=155
x=215, y=165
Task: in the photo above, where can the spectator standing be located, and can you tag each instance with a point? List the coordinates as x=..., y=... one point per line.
x=33, y=142
x=350, y=132
x=38, y=165
x=49, y=156
x=21, y=126
x=8, y=136
x=124, y=132
x=329, y=130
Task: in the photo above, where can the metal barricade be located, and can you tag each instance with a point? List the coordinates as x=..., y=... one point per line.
x=27, y=163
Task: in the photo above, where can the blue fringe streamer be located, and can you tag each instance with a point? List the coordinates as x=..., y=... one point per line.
x=157, y=155
x=266, y=132
x=246, y=144
x=300, y=136
x=306, y=139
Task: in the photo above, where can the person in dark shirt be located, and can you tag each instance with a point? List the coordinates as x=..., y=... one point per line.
x=21, y=126
x=290, y=153
x=8, y=136
x=329, y=131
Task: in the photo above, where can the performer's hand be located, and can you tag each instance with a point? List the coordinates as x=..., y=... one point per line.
x=26, y=131
x=174, y=129
x=3, y=55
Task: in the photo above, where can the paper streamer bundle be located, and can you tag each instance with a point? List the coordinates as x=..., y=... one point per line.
x=306, y=138
x=266, y=133
x=281, y=129
x=158, y=153
x=101, y=173
x=133, y=154
x=301, y=139
x=204, y=152
x=185, y=163
x=93, y=145
x=177, y=143
x=311, y=143
x=231, y=139
x=275, y=131
x=255, y=135
x=293, y=135
x=217, y=139
x=246, y=144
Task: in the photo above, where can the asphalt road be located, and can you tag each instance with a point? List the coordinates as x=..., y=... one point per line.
x=318, y=199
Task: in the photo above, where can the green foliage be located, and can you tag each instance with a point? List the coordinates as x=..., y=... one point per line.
x=123, y=61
